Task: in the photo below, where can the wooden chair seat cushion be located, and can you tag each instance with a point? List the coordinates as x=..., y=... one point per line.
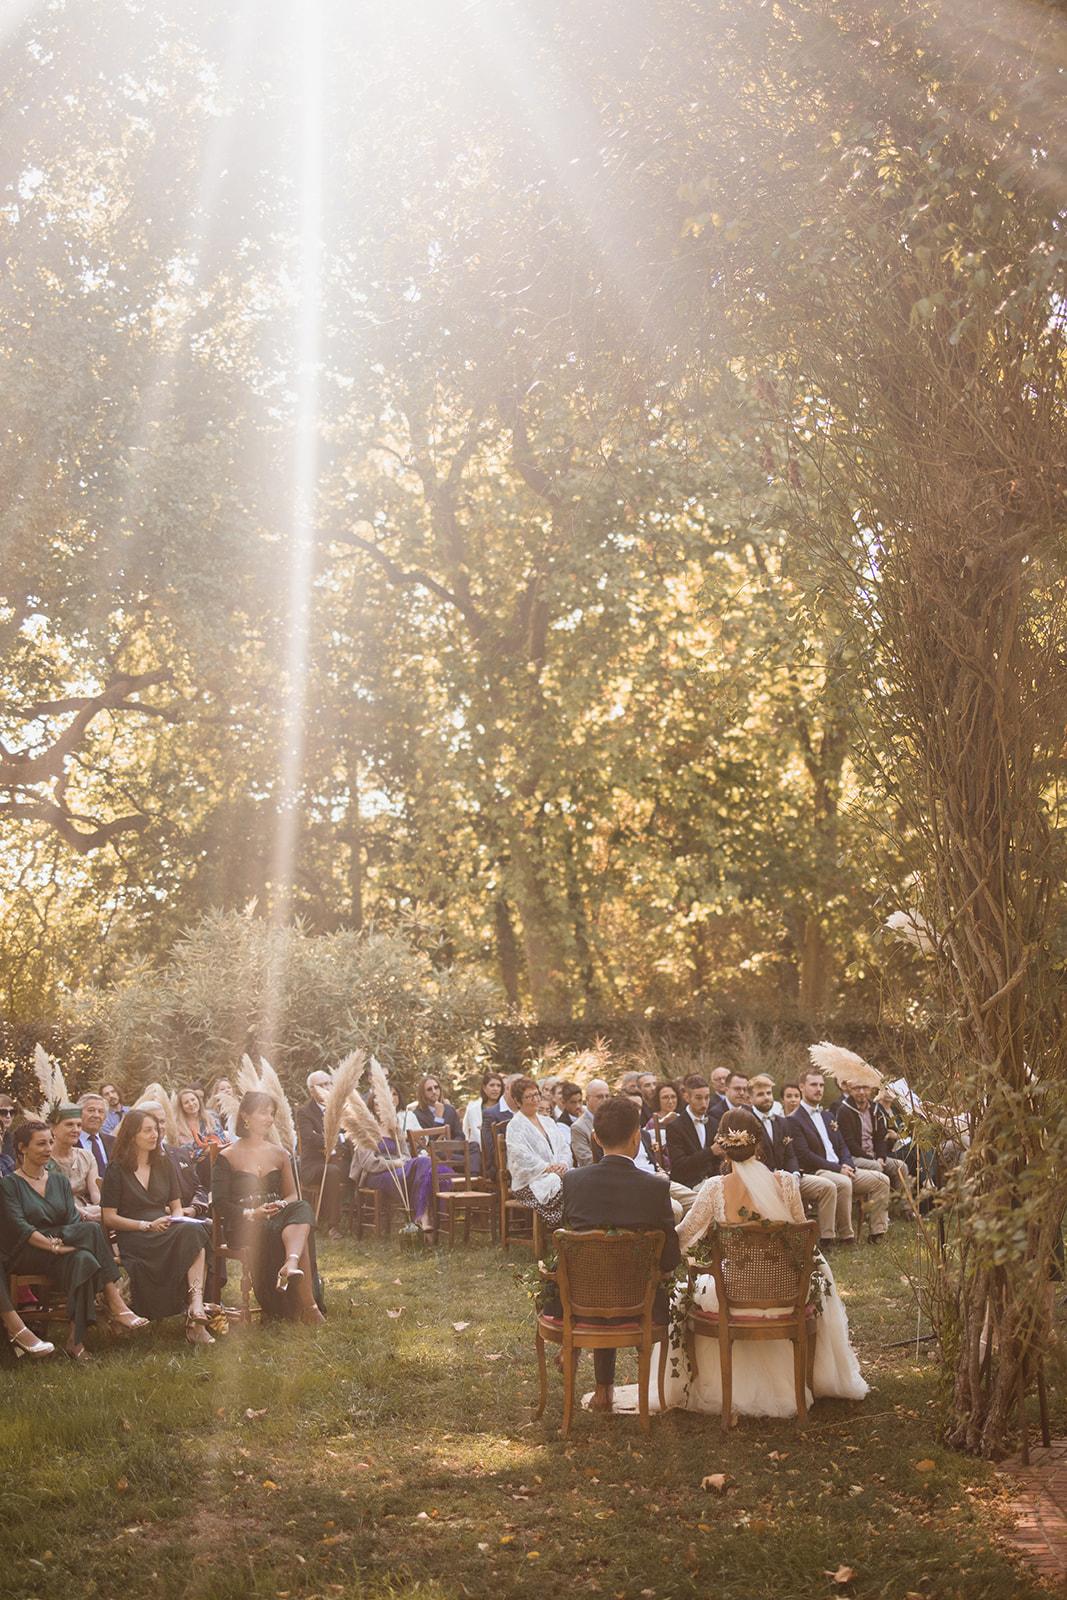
x=553, y=1325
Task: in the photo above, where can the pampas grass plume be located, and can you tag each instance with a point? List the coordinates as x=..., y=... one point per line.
x=844, y=1066
x=344, y=1082
x=382, y=1096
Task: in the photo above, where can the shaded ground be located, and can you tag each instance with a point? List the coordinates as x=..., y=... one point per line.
x=395, y=1455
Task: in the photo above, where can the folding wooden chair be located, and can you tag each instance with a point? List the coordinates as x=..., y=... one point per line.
x=602, y=1275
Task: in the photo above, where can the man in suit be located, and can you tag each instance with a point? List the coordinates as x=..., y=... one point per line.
x=93, y=1138
x=570, y=1103
x=820, y=1148
x=311, y=1142
x=613, y=1193
x=719, y=1080
x=778, y=1154
x=583, y=1150
x=689, y=1138
x=865, y=1129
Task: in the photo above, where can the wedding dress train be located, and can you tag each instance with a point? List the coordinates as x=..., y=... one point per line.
x=763, y=1383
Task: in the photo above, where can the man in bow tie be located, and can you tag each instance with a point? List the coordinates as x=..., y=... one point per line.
x=690, y=1138
x=820, y=1148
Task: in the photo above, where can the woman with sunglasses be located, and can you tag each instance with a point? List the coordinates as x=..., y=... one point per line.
x=41, y=1233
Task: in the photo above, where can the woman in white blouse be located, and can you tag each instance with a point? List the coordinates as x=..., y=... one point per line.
x=489, y=1098
x=539, y=1153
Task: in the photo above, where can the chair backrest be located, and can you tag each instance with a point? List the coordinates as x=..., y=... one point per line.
x=607, y=1274
x=760, y=1265
x=452, y=1154
x=417, y=1137
x=500, y=1144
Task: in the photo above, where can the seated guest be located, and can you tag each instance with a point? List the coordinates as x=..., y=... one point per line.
x=316, y=1173
x=791, y=1098
x=760, y=1084
x=494, y=1118
x=408, y=1179
x=865, y=1129
x=777, y=1153
x=549, y=1104
x=254, y=1192
x=75, y=1163
x=820, y=1148
x=664, y=1110
x=430, y=1109
x=490, y=1097
x=647, y=1085
x=115, y=1108
x=718, y=1078
x=612, y=1193
x=197, y=1127
x=218, y=1101
x=583, y=1150
x=8, y=1109
x=539, y=1153
x=569, y=1100
x=164, y=1252
x=689, y=1138
x=629, y=1083
x=98, y=1143
x=42, y=1233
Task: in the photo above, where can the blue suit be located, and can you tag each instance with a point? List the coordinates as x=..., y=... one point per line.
x=808, y=1146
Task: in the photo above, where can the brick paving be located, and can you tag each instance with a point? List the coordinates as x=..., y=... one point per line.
x=1039, y=1505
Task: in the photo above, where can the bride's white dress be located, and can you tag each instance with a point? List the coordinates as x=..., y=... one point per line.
x=762, y=1371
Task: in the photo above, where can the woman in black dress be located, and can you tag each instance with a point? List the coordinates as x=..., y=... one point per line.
x=254, y=1192
x=163, y=1251
x=41, y=1232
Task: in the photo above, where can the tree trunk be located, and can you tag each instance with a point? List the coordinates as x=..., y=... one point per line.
x=508, y=955
x=544, y=941
x=814, y=970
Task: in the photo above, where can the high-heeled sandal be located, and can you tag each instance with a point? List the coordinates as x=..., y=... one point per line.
x=118, y=1322
x=35, y=1347
x=79, y=1353
x=200, y=1316
x=286, y=1274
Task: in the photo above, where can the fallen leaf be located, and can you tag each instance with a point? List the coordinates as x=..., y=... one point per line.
x=483, y=1547
x=842, y=1575
x=494, y=1356
x=925, y=1466
x=269, y=1483
x=716, y=1482
x=127, y=1425
x=533, y=1555
x=506, y=1538
x=459, y=1326
x=122, y=1483
x=252, y=1415
x=391, y=1313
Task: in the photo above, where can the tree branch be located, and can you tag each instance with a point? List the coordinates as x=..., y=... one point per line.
x=412, y=577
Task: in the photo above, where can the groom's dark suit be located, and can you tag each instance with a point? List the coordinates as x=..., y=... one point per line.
x=614, y=1194
x=691, y=1161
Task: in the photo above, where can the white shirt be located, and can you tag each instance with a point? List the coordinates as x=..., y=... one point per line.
x=641, y=1161
x=823, y=1131
x=701, y=1128
x=766, y=1117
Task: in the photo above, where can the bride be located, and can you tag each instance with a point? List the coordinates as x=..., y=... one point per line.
x=763, y=1383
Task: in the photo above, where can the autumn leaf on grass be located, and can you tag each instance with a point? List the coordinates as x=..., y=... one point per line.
x=392, y=1311
x=252, y=1415
x=459, y=1326
x=842, y=1575
x=925, y=1466
x=716, y=1482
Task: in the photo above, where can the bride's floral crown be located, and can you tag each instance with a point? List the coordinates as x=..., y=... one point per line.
x=737, y=1139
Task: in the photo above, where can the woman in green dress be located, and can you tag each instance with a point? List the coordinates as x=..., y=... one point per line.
x=163, y=1251
x=254, y=1192
x=41, y=1233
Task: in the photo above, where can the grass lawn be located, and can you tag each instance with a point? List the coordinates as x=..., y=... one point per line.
x=391, y=1453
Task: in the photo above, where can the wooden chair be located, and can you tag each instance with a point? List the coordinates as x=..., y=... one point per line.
x=51, y=1303
x=419, y=1138
x=604, y=1274
x=510, y=1209
x=372, y=1208
x=463, y=1197
x=758, y=1267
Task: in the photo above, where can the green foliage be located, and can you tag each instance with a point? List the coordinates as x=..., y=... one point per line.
x=303, y=1000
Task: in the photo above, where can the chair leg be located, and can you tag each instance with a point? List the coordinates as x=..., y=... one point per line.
x=800, y=1366
x=542, y=1373
x=727, y=1375
x=809, y=1342
x=662, y=1372
x=569, y=1376
x=644, y=1373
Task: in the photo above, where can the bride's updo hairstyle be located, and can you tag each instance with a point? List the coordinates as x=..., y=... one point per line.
x=739, y=1133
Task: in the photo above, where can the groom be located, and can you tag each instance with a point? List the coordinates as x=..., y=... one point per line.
x=614, y=1193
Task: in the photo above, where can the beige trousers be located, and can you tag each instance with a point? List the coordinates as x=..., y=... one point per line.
x=873, y=1190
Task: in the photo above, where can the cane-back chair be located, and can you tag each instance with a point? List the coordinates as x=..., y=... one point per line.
x=759, y=1268
x=607, y=1284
